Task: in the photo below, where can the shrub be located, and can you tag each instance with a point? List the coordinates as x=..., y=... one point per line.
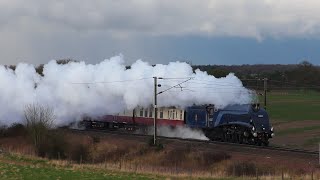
x=150, y=141
x=95, y=139
x=3, y=130
x=159, y=146
x=39, y=120
x=175, y=157
x=214, y=157
x=55, y=147
x=242, y=168
x=79, y=153
x=207, y=158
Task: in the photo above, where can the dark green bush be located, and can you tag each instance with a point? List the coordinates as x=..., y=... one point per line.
x=3, y=130
x=55, y=146
x=16, y=129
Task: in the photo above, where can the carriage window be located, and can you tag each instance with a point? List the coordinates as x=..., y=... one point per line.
x=173, y=112
x=150, y=112
x=161, y=112
x=196, y=117
x=141, y=112
x=181, y=114
x=146, y=113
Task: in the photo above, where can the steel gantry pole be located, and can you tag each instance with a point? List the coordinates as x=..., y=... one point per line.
x=155, y=103
x=155, y=112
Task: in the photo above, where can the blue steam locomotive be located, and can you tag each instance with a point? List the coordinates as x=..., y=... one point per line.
x=234, y=123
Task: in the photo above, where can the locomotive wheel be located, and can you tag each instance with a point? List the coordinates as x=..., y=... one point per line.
x=251, y=141
x=229, y=137
x=223, y=137
x=234, y=138
x=266, y=143
x=240, y=139
x=259, y=143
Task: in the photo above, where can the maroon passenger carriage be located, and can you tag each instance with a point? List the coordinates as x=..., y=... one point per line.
x=138, y=118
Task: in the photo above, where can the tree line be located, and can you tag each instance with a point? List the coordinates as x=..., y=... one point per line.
x=302, y=75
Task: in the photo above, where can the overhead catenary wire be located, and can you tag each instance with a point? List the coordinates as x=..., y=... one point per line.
x=177, y=85
x=173, y=78
x=243, y=80
x=217, y=92
x=106, y=82
x=221, y=86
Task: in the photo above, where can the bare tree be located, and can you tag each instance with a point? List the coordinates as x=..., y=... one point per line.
x=39, y=119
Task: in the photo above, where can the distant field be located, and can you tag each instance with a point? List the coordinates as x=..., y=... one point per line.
x=286, y=106
x=296, y=118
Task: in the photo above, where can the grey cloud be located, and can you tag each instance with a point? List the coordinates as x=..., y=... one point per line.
x=248, y=18
x=37, y=29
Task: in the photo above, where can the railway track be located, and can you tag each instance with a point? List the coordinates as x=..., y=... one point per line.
x=252, y=147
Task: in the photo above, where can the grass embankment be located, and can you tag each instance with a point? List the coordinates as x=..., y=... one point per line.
x=93, y=157
x=20, y=167
x=13, y=166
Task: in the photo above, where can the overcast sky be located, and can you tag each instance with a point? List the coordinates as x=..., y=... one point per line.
x=160, y=31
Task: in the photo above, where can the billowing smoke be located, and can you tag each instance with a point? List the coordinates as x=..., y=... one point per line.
x=179, y=132
x=78, y=88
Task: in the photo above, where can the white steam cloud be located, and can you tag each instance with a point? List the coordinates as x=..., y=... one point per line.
x=179, y=132
x=77, y=88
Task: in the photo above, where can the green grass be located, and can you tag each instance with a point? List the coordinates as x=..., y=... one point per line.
x=22, y=167
x=25, y=159
x=13, y=171
x=29, y=168
x=293, y=106
x=294, y=111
